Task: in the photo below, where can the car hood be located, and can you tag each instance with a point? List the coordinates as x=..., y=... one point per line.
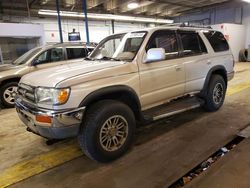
x=55, y=76
x=6, y=67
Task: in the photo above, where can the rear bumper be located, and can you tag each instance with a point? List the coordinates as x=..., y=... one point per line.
x=230, y=76
x=64, y=124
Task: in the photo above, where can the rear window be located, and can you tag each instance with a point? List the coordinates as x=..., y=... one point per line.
x=217, y=41
x=192, y=43
x=74, y=53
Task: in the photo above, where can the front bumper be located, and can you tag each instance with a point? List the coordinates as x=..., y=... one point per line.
x=230, y=76
x=64, y=124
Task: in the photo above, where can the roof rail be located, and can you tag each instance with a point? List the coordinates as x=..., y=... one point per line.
x=188, y=25
x=78, y=42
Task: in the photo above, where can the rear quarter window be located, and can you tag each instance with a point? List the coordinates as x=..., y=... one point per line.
x=217, y=41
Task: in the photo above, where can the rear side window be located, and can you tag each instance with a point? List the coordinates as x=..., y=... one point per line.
x=217, y=41
x=192, y=44
x=166, y=40
x=74, y=53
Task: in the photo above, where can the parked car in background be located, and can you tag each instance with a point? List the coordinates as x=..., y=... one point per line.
x=37, y=59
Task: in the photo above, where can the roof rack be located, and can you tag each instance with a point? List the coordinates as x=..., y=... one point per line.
x=188, y=25
x=79, y=42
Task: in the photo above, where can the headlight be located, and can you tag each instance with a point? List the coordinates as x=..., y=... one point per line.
x=52, y=96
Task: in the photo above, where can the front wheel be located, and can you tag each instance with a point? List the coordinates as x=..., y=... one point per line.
x=8, y=93
x=107, y=131
x=215, y=95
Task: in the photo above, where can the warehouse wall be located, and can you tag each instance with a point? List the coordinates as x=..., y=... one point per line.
x=238, y=13
x=246, y=22
x=22, y=30
x=98, y=29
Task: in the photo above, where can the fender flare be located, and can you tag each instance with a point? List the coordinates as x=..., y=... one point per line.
x=214, y=69
x=98, y=94
x=9, y=78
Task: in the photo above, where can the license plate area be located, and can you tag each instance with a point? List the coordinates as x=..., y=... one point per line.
x=29, y=122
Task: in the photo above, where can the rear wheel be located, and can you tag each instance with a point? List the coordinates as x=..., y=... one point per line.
x=215, y=95
x=8, y=93
x=107, y=131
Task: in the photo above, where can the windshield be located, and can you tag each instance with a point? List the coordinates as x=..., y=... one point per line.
x=25, y=57
x=122, y=47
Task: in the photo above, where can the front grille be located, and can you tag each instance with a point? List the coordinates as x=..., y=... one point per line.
x=26, y=92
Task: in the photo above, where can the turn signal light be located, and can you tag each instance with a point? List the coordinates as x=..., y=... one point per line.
x=43, y=119
x=63, y=96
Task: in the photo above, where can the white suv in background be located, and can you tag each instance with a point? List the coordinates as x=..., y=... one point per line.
x=130, y=77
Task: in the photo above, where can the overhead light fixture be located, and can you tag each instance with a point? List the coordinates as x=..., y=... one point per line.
x=105, y=17
x=248, y=1
x=133, y=5
x=43, y=2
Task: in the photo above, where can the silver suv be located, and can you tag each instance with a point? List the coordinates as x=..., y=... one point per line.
x=37, y=59
x=130, y=77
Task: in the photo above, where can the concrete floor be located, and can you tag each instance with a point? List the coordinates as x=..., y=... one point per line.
x=231, y=171
x=163, y=152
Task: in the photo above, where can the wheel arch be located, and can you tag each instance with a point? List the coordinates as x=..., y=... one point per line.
x=219, y=70
x=121, y=93
x=13, y=79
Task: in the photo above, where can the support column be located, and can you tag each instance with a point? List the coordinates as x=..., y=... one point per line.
x=59, y=20
x=113, y=26
x=85, y=10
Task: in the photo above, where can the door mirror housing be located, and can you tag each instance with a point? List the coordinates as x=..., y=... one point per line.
x=36, y=62
x=155, y=54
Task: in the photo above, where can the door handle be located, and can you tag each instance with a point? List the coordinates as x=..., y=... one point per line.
x=209, y=62
x=177, y=68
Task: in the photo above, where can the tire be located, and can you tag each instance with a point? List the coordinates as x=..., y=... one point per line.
x=96, y=128
x=8, y=93
x=243, y=55
x=215, y=94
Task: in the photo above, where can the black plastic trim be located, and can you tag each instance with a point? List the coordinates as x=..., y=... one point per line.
x=110, y=90
x=211, y=71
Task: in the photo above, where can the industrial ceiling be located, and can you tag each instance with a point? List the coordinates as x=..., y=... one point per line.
x=150, y=8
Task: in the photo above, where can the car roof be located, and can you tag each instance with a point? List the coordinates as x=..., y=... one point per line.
x=170, y=27
x=69, y=44
x=187, y=28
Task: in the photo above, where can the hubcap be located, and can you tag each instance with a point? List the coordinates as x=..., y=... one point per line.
x=113, y=133
x=10, y=94
x=218, y=93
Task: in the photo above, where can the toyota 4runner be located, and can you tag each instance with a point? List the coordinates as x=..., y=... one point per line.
x=129, y=78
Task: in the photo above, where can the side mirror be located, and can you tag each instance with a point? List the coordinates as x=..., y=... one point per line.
x=36, y=62
x=155, y=54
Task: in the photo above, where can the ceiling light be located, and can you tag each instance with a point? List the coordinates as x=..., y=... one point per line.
x=105, y=17
x=248, y=1
x=133, y=5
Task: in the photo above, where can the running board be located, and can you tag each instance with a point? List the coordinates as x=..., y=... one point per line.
x=173, y=108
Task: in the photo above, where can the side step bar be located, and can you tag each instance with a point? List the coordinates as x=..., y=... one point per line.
x=176, y=112
x=173, y=108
